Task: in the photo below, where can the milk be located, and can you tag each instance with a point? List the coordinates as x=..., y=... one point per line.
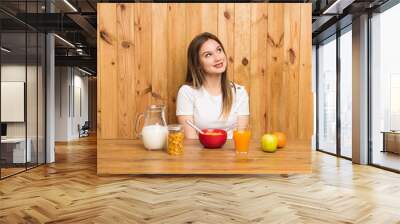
x=154, y=136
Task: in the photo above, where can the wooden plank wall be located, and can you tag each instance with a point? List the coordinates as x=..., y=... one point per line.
x=142, y=51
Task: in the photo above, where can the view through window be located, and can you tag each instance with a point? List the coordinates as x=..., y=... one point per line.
x=385, y=89
x=346, y=93
x=327, y=96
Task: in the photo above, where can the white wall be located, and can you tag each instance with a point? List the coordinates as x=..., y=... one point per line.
x=9, y=73
x=16, y=73
x=62, y=82
x=70, y=83
x=80, y=84
x=13, y=72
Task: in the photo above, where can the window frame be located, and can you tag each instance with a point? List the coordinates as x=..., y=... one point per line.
x=334, y=37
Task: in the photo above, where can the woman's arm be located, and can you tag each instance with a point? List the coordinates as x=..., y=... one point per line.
x=184, y=110
x=190, y=133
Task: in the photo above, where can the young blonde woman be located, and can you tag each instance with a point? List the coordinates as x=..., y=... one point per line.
x=208, y=99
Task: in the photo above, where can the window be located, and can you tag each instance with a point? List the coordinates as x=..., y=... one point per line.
x=385, y=89
x=327, y=96
x=394, y=102
x=335, y=74
x=346, y=93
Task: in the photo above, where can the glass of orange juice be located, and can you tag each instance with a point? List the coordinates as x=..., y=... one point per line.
x=241, y=137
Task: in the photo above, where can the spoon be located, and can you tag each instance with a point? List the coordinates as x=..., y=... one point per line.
x=194, y=126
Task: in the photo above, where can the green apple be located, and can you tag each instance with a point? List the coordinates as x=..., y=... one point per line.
x=269, y=143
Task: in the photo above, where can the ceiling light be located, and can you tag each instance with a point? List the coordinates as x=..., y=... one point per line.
x=5, y=50
x=65, y=41
x=70, y=5
x=84, y=71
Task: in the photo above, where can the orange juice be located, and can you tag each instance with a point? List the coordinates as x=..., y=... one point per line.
x=242, y=140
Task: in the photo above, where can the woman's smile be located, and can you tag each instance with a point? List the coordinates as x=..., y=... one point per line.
x=219, y=65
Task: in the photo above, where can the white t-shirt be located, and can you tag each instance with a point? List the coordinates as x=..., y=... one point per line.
x=206, y=109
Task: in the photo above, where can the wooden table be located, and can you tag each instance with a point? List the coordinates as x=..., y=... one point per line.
x=130, y=157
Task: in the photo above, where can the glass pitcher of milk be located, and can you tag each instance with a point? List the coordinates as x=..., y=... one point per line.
x=155, y=130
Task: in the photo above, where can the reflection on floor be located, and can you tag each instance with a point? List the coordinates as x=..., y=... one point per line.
x=70, y=191
x=10, y=169
x=387, y=159
x=346, y=152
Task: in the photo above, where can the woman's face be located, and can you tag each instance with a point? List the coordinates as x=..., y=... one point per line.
x=212, y=57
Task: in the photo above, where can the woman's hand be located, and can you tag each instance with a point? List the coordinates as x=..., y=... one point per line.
x=190, y=133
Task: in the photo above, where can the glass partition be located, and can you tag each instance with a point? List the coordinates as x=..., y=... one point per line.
x=22, y=88
x=13, y=95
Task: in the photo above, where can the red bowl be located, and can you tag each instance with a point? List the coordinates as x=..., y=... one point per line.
x=213, y=141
